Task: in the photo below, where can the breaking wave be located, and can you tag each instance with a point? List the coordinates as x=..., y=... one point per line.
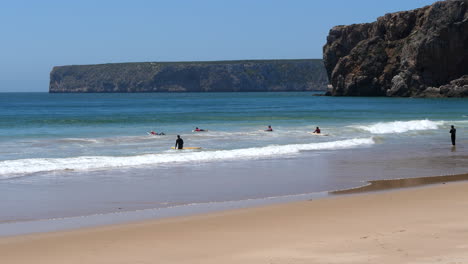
x=9, y=168
x=400, y=126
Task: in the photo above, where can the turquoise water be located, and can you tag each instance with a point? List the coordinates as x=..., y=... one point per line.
x=112, y=128
x=65, y=155
x=42, y=115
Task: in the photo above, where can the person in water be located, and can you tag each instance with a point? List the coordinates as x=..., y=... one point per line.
x=269, y=129
x=316, y=131
x=453, y=134
x=157, y=134
x=198, y=129
x=179, y=144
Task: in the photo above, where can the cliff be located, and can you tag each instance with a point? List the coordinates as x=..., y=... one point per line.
x=422, y=52
x=220, y=76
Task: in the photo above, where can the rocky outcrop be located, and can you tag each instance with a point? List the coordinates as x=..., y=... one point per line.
x=456, y=88
x=221, y=76
x=411, y=53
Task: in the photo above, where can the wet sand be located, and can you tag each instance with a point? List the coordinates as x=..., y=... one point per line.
x=385, y=185
x=415, y=225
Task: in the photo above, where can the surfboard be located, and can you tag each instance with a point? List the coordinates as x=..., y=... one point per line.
x=200, y=131
x=149, y=133
x=315, y=134
x=188, y=148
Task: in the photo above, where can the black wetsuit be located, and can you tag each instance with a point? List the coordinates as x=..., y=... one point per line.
x=453, y=133
x=179, y=144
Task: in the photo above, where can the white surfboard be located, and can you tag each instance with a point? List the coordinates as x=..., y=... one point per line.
x=318, y=134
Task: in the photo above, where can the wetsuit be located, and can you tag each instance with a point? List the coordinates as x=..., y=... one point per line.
x=179, y=144
x=453, y=133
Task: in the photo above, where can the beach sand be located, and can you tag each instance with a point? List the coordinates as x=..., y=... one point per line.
x=416, y=225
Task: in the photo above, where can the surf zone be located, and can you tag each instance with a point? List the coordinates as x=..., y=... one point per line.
x=16, y=168
x=400, y=126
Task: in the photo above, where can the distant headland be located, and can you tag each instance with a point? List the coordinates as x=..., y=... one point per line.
x=197, y=76
x=417, y=53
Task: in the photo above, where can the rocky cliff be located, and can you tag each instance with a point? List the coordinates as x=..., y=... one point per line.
x=221, y=76
x=422, y=52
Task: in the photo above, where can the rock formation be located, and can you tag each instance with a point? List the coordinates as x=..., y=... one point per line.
x=422, y=52
x=221, y=76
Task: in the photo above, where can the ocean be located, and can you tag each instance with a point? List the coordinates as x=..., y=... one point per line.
x=72, y=157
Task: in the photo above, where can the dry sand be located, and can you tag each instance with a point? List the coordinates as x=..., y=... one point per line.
x=418, y=225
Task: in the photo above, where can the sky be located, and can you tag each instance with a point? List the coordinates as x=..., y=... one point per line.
x=38, y=35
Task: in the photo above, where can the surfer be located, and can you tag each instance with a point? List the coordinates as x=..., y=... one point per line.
x=453, y=133
x=156, y=133
x=198, y=129
x=269, y=129
x=316, y=131
x=179, y=144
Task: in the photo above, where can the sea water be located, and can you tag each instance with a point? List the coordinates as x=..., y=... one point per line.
x=65, y=155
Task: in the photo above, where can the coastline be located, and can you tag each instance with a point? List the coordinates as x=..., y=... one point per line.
x=391, y=184
x=96, y=163
x=417, y=225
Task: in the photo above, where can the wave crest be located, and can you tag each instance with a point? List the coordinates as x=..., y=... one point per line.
x=400, y=126
x=27, y=166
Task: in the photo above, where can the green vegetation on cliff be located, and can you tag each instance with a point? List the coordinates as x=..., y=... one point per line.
x=209, y=76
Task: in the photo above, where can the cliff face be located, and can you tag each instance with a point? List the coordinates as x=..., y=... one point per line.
x=222, y=76
x=422, y=52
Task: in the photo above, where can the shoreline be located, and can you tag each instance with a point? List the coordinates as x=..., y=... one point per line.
x=391, y=184
x=97, y=220
x=417, y=225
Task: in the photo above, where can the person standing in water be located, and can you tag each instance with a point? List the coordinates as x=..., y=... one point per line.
x=453, y=134
x=179, y=144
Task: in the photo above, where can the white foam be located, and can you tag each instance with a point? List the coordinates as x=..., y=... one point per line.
x=11, y=168
x=400, y=126
x=77, y=140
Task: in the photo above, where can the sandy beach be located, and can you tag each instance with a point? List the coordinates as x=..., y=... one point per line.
x=235, y=132
x=416, y=225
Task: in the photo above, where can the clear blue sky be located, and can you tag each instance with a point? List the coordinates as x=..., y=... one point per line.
x=37, y=35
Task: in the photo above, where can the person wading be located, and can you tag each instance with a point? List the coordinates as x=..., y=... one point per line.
x=179, y=144
x=453, y=135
